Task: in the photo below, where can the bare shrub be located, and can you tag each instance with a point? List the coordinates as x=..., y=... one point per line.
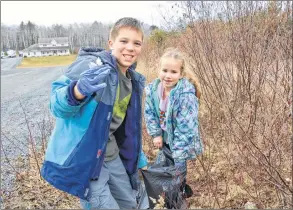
x=29, y=190
x=243, y=59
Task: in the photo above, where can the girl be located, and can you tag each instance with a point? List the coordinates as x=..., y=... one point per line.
x=171, y=109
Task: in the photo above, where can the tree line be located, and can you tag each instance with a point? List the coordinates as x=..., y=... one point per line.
x=82, y=34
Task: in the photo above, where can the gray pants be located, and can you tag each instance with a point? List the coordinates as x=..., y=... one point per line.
x=112, y=190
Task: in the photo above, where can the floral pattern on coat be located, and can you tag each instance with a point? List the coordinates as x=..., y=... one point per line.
x=181, y=119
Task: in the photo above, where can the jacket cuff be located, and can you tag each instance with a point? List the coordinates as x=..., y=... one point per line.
x=143, y=161
x=70, y=95
x=154, y=135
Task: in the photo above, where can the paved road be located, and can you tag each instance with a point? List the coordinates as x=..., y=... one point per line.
x=10, y=63
x=31, y=88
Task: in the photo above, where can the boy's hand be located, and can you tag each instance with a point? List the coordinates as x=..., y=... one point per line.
x=158, y=142
x=90, y=80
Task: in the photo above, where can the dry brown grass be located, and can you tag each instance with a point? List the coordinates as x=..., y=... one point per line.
x=47, y=61
x=32, y=192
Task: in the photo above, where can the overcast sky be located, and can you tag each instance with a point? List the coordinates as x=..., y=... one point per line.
x=65, y=12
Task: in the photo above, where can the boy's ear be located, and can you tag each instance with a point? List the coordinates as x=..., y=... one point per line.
x=110, y=43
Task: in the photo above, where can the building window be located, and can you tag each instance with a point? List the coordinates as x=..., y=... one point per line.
x=34, y=53
x=28, y=53
x=43, y=52
x=62, y=44
x=44, y=45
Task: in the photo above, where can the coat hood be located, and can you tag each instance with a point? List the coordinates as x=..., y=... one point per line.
x=88, y=57
x=183, y=86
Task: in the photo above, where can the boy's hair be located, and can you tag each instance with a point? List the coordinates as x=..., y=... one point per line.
x=126, y=22
x=177, y=54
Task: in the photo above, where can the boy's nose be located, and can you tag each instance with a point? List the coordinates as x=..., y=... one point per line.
x=130, y=47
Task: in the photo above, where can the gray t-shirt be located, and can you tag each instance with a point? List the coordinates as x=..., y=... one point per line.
x=123, y=95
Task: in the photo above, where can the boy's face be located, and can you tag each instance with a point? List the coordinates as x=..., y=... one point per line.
x=126, y=47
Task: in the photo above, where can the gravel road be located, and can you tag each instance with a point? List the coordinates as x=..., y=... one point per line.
x=30, y=87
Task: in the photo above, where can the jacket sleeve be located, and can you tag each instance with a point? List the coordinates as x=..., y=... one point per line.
x=151, y=116
x=59, y=103
x=62, y=102
x=186, y=142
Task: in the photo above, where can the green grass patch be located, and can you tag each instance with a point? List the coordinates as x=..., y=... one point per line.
x=47, y=61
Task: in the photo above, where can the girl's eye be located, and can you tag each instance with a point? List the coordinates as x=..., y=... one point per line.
x=174, y=72
x=123, y=41
x=164, y=70
x=138, y=44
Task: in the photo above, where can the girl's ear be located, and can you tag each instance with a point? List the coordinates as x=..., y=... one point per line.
x=181, y=75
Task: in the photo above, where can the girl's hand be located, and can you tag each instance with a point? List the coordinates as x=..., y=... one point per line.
x=158, y=142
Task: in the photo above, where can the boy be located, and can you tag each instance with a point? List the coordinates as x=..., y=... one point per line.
x=95, y=148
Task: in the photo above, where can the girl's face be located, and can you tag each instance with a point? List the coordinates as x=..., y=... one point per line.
x=170, y=72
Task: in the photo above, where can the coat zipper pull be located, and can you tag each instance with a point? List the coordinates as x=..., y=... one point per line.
x=109, y=115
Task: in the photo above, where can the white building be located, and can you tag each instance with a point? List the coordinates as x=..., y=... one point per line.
x=11, y=53
x=48, y=47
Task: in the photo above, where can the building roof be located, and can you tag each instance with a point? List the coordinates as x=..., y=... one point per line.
x=35, y=47
x=54, y=40
x=59, y=40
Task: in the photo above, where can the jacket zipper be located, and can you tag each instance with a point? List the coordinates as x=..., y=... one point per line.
x=109, y=121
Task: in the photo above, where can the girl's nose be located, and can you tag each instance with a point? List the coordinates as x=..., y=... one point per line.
x=168, y=75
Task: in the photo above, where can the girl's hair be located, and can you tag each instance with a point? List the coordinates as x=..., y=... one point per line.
x=177, y=54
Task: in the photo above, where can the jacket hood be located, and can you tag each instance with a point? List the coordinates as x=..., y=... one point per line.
x=183, y=86
x=104, y=55
x=91, y=55
x=98, y=53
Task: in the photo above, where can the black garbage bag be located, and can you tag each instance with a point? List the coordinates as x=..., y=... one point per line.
x=164, y=179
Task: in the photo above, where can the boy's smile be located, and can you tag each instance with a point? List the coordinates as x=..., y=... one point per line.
x=126, y=47
x=128, y=58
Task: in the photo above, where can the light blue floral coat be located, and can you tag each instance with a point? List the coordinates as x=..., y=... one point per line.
x=181, y=116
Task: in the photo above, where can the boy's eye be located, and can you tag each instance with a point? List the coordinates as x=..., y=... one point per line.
x=138, y=44
x=174, y=72
x=123, y=41
x=164, y=70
